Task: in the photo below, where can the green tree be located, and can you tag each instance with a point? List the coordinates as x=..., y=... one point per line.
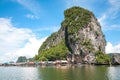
x=102, y=58
x=53, y=53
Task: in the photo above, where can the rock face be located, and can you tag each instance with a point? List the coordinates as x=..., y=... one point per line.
x=80, y=36
x=115, y=59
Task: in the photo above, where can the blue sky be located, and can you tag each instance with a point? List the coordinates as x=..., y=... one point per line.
x=25, y=24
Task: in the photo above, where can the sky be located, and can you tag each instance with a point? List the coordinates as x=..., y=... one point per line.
x=25, y=24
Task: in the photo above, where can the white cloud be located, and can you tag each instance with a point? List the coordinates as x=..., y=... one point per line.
x=112, y=49
x=31, y=16
x=16, y=42
x=31, y=5
x=11, y=37
x=106, y=25
x=113, y=10
x=102, y=18
x=30, y=48
x=115, y=5
x=111, y=14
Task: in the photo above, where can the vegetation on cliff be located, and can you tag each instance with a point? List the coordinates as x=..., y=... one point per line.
x=51, y=37
x=102, y=58
x=76, y=18
x=57, y=52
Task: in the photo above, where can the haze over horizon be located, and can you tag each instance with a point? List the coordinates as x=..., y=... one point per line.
x=25, y=24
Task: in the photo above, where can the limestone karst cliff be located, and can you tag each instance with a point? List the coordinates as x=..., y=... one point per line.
x=78, y=39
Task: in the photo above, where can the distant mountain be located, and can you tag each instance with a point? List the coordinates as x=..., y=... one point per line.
x=21, y=59
x=111, y=54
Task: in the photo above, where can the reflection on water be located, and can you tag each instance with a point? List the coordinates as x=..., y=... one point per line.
x=86, y=72
x=82, y=72
x=114, y=73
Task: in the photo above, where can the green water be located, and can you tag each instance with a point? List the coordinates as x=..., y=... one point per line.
x=83, y=72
